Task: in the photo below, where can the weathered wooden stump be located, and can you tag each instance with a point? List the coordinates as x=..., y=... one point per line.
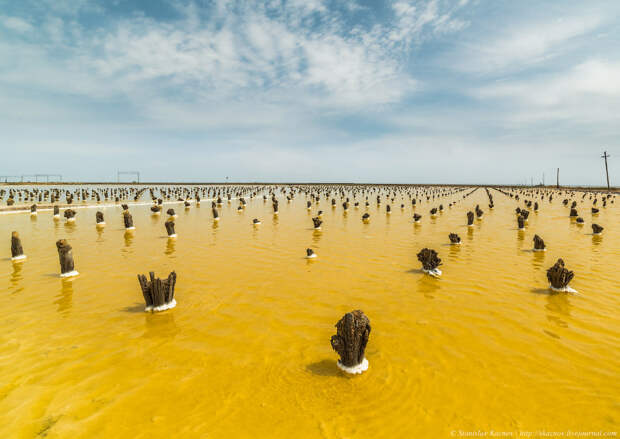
x=169, y=224
x=33, y=209
x=417, y=217
x=70, y=215
x=479, y=212
x=352, y=332
x=454, y=238
x=470, y=218
x=430, y=261
x=573, y=212
x=596, y=229
x=125, y=207
x=156, y=209
x=580, y=221
x=366, y=217
x=216, y=215
x=170, y=212
x=317, y=223
x=594, y=210
x=559, y=277
x=256, y=222
x=521, y=222
x=128, y=220
x=310, y=254
x=433, y=211
x=158, y=294
x=99, y=218
x=17, y=252
x=275, y=207
x=65, y=255
x=539, y=244
x=56, y=211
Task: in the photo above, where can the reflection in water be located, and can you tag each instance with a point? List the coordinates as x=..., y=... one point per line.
x=65, y=299
x=428, y=285
x=538, y=260
x=160, y=325
x=316, y=237
x=558, y=304
x=170, y=246
x=470, y=233
x=69, y=226
x=128, y=238
x=454, y=251
x=520, y=235
x=33, y=218
x=16, y=276
x=597, y=239
x=275, y=220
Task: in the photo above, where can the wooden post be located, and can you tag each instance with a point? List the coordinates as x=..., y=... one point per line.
x=352, y=332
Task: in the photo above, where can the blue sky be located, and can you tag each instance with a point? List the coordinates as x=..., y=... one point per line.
x=311, y=90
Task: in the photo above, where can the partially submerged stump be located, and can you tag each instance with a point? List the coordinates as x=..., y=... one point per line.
x=539, y=244
x=317, y=223
x=17, y=252
x=169, y=224
x=33, y=209
x=573, y=212
x=65, y=255
x=70, y=215
x=310, y=254
x=156, y=210
x=470, y=218
x=430, y=261
x=521, y=222
x=596, y=229
x=559, y=277
x=580, y=221
x=56, y=211
x=417, y=217
x=256, y=222
x=128, y=220
x=366, y=217
x=594, y=210
x=99, y=218
x=352, y=332
x=158, y=294
x=170, y=212
x=216, y=215
x=454, y=238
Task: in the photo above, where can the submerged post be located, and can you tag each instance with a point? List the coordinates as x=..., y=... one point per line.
x=65, y=254
x=158, y=294
x=539, y=244
x=170, y=228
x=352, y=332
x=559, y=277
x=430, y=261
x=17, y=252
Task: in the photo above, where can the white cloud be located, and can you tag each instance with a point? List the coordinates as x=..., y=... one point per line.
x=523, y=45
x=16, y=24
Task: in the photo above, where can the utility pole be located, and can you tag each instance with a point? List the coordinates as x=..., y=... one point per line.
x=543, y=179
x=558, y=179
x=605, y=155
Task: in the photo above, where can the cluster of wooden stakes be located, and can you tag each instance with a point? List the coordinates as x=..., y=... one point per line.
x=353, y=329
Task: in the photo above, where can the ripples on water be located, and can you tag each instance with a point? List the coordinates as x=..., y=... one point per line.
x=246, y=352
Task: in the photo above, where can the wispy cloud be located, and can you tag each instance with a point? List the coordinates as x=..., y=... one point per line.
x=389, y=87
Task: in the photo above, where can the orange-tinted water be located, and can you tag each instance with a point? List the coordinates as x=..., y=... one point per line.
x=246, y=352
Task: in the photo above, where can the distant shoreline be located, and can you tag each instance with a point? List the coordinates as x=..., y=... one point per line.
x=258, y=183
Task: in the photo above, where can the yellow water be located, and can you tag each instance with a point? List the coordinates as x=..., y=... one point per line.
x=246, y=352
